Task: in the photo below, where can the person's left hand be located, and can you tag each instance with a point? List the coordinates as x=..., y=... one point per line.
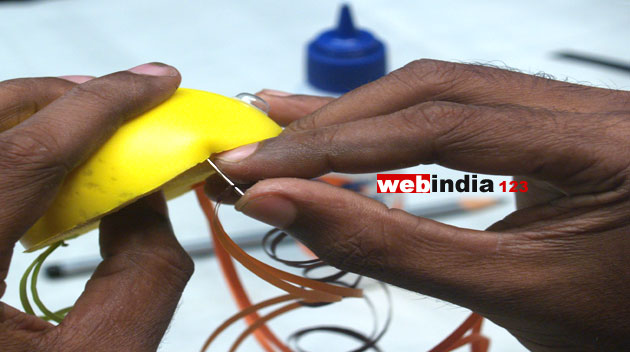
x=47, y=127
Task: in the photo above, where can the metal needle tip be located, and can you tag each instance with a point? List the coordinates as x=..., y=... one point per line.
x=236, y=189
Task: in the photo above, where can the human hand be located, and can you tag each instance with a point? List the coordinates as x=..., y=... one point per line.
x=48, y=126
x=554, y=273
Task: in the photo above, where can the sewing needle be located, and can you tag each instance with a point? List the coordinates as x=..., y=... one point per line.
x=236, y=189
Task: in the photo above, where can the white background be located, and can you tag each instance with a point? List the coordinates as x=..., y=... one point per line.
x=233, y=46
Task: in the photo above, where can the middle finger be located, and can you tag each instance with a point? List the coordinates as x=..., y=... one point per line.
x=20, y=98
x=432, y=80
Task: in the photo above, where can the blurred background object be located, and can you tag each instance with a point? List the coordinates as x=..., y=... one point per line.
x=233, y=46
x=595, y=60
x=344, y=57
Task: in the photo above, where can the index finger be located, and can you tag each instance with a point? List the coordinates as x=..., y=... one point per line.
x=37, y=154
x=555, y=147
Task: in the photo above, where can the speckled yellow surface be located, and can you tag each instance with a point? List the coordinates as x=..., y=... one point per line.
x=164, y=148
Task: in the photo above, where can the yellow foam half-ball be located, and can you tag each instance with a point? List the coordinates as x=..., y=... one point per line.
x=165, y=148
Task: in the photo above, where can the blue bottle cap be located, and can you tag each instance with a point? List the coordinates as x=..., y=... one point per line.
x=343, y=58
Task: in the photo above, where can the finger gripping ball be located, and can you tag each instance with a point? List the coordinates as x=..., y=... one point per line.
x=165, y=148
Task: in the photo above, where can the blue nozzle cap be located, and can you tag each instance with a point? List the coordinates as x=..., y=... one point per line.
x=345, y=27
x=343, y=58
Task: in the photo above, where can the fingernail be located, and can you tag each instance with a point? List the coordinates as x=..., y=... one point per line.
x=275, y=93
x=154, y=69
x=77, y=78
x=273, y=210
x=238, y=154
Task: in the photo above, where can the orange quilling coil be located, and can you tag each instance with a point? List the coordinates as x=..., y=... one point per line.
x=307, y=291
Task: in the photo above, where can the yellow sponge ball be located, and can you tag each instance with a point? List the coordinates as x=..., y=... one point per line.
x=163, y=148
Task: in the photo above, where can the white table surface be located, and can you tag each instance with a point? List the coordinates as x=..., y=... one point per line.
x=234, y=46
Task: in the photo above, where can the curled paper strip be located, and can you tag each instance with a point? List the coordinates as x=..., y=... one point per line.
x=303, y=291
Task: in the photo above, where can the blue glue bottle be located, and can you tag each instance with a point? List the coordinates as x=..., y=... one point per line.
x=339, y=60
x=345, y=57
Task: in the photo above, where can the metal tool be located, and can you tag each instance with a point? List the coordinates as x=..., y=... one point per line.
x=232, y=185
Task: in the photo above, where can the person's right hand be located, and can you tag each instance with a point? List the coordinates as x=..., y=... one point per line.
x=554, y=273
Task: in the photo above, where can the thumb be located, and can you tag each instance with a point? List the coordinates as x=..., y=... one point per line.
x=130, y=300
x=361, y=235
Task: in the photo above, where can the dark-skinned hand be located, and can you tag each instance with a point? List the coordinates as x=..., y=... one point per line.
x=48, y=126
x=554, y=273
